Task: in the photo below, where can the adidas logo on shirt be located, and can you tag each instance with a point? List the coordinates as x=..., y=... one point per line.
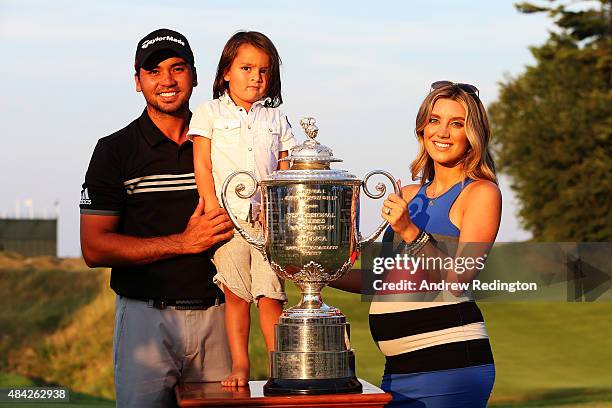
x=85, y=197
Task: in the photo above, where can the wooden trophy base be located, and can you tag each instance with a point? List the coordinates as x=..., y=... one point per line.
x=214, y=395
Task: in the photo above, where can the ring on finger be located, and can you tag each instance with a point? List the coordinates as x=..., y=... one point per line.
x=387, y=211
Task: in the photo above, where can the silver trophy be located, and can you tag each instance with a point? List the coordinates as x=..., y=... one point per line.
x=311, y=237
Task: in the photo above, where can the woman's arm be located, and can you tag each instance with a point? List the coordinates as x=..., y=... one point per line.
x=479, y=223
x=203, y=172
x=351, y=281
x=479, y=226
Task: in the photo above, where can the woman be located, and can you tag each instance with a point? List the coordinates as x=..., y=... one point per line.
x=437, y=350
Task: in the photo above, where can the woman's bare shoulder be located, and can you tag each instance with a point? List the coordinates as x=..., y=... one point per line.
x=483, y=191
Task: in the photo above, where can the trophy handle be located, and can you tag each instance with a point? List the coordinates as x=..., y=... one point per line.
x=256, y=243
x=382, y=189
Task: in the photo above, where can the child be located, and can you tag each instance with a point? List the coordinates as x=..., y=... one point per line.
x=242, y=129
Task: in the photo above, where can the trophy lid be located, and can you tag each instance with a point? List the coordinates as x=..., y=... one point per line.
x=310, y=160
x=310, y=154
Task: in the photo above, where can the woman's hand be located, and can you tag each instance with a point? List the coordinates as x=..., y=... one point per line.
x=395, y=211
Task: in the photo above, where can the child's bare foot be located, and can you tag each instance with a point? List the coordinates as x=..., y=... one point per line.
x=238, y=378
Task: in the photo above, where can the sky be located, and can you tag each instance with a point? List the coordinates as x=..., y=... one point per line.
x=360, y=68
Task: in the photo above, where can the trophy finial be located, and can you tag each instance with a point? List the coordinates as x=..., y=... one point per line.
x=308, y=124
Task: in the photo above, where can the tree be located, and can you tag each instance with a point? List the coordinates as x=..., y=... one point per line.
x=552, y=126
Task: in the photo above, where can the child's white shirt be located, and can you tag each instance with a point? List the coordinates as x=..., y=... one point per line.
x=241, y=140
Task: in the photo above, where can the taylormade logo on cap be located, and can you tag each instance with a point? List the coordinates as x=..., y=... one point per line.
x=146, y=43
x=163, y=39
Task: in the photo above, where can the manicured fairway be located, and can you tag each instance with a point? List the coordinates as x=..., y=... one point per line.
x=556, y=351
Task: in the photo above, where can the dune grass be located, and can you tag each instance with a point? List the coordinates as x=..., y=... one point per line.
x=59, y=328
x=35, y=303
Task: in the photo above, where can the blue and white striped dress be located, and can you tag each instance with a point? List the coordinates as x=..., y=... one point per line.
x=437, y=351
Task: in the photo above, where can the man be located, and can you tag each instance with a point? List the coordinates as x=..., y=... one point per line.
x=137, y=216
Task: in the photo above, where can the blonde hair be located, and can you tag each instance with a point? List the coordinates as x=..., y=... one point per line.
x=478, y=162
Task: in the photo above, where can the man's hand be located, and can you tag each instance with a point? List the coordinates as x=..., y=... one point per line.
x=206, y=229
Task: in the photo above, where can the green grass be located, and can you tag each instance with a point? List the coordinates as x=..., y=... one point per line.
x=56, y=328
x=546, y=354
x=551, y=350
x=76, y=399
x=14, y=380
x=35, y=303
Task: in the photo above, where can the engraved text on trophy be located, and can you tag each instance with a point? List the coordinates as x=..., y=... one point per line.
x=311, y=222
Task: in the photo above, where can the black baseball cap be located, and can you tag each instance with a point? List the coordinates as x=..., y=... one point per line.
x=169, y=41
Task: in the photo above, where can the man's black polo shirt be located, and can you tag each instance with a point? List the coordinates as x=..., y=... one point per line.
x=148, y=181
